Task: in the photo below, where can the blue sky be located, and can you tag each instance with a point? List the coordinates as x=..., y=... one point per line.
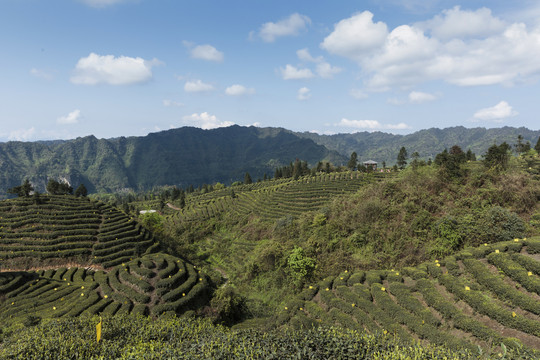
x=113, y=68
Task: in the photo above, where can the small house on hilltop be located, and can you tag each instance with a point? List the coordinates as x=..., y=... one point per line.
x=371, y=165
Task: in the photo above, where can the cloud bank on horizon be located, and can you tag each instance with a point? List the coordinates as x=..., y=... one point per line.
x=398, y=68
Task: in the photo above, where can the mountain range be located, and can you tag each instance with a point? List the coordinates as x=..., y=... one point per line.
x=188, y=155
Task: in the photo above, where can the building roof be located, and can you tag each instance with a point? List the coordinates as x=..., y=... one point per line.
x=370, y=162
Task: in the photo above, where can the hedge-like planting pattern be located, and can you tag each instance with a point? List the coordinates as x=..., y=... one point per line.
x=435, y=301
x=73, y=229
x=156, y=283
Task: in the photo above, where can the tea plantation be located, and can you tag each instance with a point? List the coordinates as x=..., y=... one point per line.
x=481, y=297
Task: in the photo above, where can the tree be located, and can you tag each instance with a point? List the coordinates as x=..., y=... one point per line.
x=450, y=162
x=470, y=156
x=247, y=179
x=522, y=147
x=353, y=161
x=497, y=157
x=23, y=190
x=537, y=146
x=415, y=163
x=56, y=188
x=81, y=191
x=402, y=158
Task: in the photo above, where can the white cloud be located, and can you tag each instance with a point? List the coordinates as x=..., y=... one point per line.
x=304, y=55
x=41, y=74
x=304, y=93
x=71, y=118
x=327, y=71
x=292, y=73
x=205, y=52
x=22, y=134
x=371, y=125
x=237, y=90
x=418, y=97
x=97, y=69
x=457, y=23
x=174, y=103
x=356, y=36
x=496, y=113
x=206, y=121
x=464, y=48
x=197, y=86
x=290, y=26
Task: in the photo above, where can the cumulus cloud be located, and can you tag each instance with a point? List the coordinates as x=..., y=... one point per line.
x=71, y=118
x=108, y=69
x=461, y=47
x=290, y=26
x=206, y=121
x=238, y=90
x=418, y=97
x=172, y=103
x=304, y=93
x=22, y=134
x=371, y=125
x=41, y=74
x=496, y=113
x=457, y=23
x=204, y=52
x=293, y=73
x=323, y=69
x=356, y=36
x=197, y=86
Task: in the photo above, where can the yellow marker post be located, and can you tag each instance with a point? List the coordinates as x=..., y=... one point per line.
x=98, y=330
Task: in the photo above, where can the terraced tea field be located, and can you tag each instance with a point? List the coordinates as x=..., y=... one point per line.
x=480, y=297
x=98, y=260
x=275, y=199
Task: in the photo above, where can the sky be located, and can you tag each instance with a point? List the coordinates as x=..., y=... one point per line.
x=110, y=68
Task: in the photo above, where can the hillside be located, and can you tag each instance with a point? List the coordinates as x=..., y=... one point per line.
x=180, y=157
x=187, y=155
x=385, y=147
x=66, y=256
x=481, y=296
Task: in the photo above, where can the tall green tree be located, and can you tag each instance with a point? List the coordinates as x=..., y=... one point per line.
x=402, y=158
x=522, y=147
x=497, y=157
x=537, y=146
x=23, y=190
x=247, y=179
x=81, y=191
x=353, y=161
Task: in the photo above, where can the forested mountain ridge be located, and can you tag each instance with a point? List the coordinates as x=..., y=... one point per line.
x=190, y=155
x=180, y=156
x=381, y=146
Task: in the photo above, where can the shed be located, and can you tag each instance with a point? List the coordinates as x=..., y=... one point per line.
x=370, y=164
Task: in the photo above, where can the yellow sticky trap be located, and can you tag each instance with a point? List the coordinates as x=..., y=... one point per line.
x=467, y=288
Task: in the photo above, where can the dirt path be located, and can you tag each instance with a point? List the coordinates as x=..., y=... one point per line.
x=173, y=207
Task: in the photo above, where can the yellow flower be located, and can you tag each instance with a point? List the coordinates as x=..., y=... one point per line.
x=311, y=287
x=516, y=240
x=286, y=308
x=82, y=287
x=105, y=296
x=82, y=294
x=301, y=309
x=514, y=314
x=327, y=289
x=485, y=244
x=436, y=260
x=385, y=332
x=183, y=294
x=54, y=307
x=438, y=265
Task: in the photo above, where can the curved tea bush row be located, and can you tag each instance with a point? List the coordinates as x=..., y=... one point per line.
x=156, y=283
x=69, y=227
x=421, y=302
